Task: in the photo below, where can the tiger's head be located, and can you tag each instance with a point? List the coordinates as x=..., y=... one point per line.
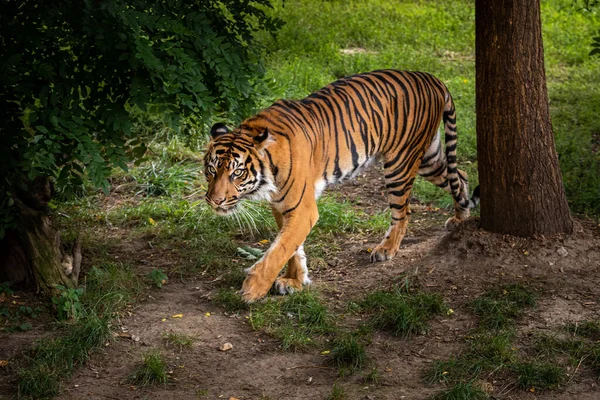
x=235, y=169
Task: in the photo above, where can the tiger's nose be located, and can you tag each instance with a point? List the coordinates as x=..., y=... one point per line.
x=218, y=201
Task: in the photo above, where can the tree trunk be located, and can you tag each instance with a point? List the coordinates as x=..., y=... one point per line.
x=521, y=187
x=32, y=254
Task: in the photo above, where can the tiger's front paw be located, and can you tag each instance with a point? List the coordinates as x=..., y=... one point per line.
x=383, y=252
x=254, y=288
x=288, y=285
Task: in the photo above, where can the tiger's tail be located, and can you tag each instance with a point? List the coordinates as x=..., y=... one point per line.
x=459, y=185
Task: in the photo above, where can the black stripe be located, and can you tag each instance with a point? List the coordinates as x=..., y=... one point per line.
x=298, y=203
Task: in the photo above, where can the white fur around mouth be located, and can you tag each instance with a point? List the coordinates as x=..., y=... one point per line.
x=225, y=211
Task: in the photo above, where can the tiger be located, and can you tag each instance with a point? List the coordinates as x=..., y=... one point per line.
x=289, y=152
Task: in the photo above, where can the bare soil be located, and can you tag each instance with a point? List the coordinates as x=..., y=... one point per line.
x=459, y=265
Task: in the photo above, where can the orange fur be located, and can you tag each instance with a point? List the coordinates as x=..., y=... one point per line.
x=290, y=151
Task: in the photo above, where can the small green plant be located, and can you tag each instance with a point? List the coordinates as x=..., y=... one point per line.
x=160, y=178
x=38, y=382
x=178, y=340
x=250, y=253
x=109, y=288
x=348, y=352
x=373, y=377
x=549, y=347
x=588, y=329
x=230, y=300
x=497, y=309
x=461, y=391
x=153, y=370
x=5, y=288
x=158, y=277
x=539, y=375
x=294, y=319
x=68, y=303
x=337, y=393
x=401, y=311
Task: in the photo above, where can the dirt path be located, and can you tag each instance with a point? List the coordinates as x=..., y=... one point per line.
x=460, y=266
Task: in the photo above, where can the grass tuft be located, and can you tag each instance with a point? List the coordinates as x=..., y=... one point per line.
x=497, y=309
x=179, y=340
x=109, y=288
x=373, y=377
x=337, y=393
x=153, y=370
x=230, y=300
x=295, y=319
x=402, y=312
x=588, y=329
x=539, y=375
x=348, y=352
x=461, y=391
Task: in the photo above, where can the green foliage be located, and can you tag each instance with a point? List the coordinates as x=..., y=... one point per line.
x=5, y=288
x=539, y=375
x=109, y=288
x=250, y=253
x=461, y=391
x=402, y=311
x=337, y=392
x=158, y=178
x=230, y=300
x=487, y=352
x=373, y=377
x=178, y=340
x=18, y=320
x=54, y=359
x=158, y=277
x=348, y=351
x=497, y=309
x=337, y=217
x=151, y=371
x=71, y=73
x=295, y=319
x=589, y=329
x=595, y=45
x=68, y=303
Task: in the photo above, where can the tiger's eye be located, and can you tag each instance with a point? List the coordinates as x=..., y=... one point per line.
x=211, y=170
x=238, y=172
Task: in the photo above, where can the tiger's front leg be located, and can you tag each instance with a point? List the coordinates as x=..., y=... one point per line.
x=296, y=226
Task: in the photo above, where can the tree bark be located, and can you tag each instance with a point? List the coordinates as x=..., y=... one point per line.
x=32, y=254
x=521, y=186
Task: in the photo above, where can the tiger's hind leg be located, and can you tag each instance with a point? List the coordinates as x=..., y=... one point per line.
x=296, y=274
x=398, y=181
x=434, y=168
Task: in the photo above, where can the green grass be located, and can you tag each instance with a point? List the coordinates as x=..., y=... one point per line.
x=336, y=217
x=373, y=377
x=323, y=41
x=348, y=351
x=109, y=288
x=539, y=375
x=588, y=329
x=297, y=320
x=497, y=309
x=178, y=340
x=486, y=352
x=53, y=360
x=461, y=391
x=491, y=350
x=337, y=393
x=152, y=370
x=230, y=300
x=401, y=311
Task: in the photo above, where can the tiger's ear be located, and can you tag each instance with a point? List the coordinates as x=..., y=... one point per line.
x=218, y=130
x=263, y=139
